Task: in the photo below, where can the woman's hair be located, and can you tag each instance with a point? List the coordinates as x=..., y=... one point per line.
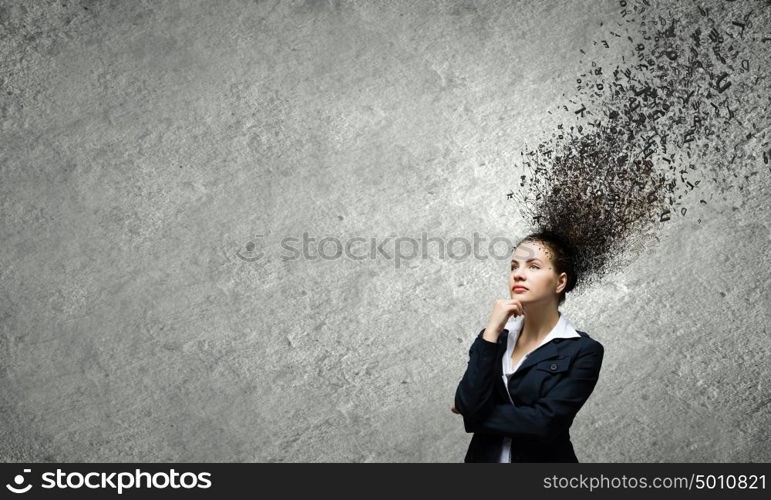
x=563, y=257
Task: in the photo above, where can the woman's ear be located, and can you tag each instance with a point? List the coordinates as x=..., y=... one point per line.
x=562, y=282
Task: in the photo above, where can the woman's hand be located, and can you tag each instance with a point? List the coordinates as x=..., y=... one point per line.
x=454, y=410
x=502, y=310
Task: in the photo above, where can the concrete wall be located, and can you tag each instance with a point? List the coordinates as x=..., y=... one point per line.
x=156, y=156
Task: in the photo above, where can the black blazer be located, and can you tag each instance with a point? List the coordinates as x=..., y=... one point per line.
x=548, y=389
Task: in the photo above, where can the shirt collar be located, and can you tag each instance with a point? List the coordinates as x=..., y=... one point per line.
x=564, y=329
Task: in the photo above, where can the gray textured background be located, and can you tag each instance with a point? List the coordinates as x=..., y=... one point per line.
x=144, y=145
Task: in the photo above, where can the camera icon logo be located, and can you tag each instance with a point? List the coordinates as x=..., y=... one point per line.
x=19, y=481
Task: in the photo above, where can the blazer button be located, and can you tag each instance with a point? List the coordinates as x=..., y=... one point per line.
x=553, y=366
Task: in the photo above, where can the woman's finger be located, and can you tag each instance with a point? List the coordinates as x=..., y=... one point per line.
x=516, y=308
x=519, y=307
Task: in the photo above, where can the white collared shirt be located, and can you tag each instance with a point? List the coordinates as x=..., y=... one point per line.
x=563, y=329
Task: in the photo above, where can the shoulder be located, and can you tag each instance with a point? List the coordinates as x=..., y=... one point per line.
x=589, y=344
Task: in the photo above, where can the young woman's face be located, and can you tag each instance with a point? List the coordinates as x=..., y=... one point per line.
x=532, y=270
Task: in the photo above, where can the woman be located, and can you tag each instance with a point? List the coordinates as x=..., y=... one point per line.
x=529, y=369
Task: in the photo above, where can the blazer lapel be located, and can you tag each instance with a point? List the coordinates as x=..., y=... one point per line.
x=546, y=351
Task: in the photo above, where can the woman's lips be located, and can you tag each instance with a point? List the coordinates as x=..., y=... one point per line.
x=519, y=289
